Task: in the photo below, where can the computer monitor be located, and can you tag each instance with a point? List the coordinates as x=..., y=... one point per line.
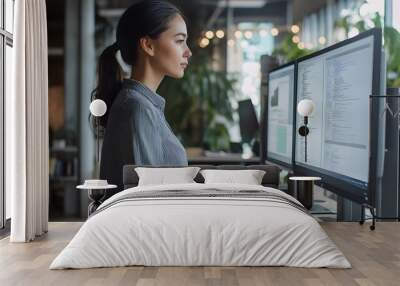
x=247, y=120
x=279, y=115
x=339, y=80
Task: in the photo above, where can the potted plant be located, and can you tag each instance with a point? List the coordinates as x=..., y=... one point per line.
x=194, y=103
x=391, y=42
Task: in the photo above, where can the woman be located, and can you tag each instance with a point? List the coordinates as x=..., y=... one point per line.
x=151, y=37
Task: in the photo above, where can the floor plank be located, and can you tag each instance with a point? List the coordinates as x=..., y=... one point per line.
x=374, y=255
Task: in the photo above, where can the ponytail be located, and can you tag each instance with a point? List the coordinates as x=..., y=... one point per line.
x=109, y=81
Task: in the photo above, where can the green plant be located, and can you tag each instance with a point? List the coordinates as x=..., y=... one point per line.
x=288, y=51
x=217, y=137
x=392, y=44
x=193, y=102
x=391, y=41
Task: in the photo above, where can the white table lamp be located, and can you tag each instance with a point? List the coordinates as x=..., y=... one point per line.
x=96, y=188
x=305, y=108
x=98, y=108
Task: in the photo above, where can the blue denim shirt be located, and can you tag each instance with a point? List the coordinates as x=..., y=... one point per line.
x=138, y=133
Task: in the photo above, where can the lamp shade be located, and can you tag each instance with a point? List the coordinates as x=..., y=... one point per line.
x=98, y=107
x=305, y=107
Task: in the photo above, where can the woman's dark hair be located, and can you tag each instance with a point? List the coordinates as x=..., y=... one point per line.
x=146, y=18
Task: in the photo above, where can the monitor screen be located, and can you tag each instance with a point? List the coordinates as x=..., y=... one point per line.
x=280, y=114
x=247, y=120
x=339, y=82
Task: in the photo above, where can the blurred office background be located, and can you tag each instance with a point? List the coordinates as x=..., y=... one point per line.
x=216, y=109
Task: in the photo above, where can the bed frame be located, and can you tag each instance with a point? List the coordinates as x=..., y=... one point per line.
x=270, y=179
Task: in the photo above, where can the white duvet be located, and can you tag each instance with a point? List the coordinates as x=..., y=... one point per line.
x=200, y=231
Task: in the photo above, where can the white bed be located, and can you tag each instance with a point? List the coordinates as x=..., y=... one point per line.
x=206, y=230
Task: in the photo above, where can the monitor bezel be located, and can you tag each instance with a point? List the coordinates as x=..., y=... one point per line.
x=265, y=135
x=338, y=183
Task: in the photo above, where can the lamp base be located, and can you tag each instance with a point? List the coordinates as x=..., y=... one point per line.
x=303, y=130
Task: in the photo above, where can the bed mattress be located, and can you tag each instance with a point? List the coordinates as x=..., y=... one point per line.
x=201, y=225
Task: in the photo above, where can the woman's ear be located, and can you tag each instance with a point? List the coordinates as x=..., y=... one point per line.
x=146, y=43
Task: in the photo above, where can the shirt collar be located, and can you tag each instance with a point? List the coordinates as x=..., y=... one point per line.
x=153, y=97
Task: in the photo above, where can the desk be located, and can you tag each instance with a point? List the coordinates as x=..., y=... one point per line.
x=223, y=159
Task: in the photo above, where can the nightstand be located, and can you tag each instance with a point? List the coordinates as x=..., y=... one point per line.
x=96, y=193
x=304, y=190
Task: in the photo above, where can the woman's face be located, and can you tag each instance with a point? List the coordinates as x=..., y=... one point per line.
x=171, y=53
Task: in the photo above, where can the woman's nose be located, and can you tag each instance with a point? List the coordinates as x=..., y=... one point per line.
x=188, y=53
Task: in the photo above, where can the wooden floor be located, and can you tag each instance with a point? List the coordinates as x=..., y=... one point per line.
x=374, y=255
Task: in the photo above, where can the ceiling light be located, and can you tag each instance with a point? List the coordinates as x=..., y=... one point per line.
x=295, y=29
x=209, y=35
x=242, y=3
x=220, y=34
x=248, y=34
x=274, y=32
x=204, y=42
x=238, y=34
x=231, y=43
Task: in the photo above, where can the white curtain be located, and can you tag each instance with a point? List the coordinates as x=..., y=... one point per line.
x=27, y=124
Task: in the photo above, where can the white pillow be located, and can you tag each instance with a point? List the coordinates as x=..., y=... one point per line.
x=162, y=176
x=248, y=177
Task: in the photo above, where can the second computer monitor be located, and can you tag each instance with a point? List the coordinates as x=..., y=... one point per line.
x=279, y=115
